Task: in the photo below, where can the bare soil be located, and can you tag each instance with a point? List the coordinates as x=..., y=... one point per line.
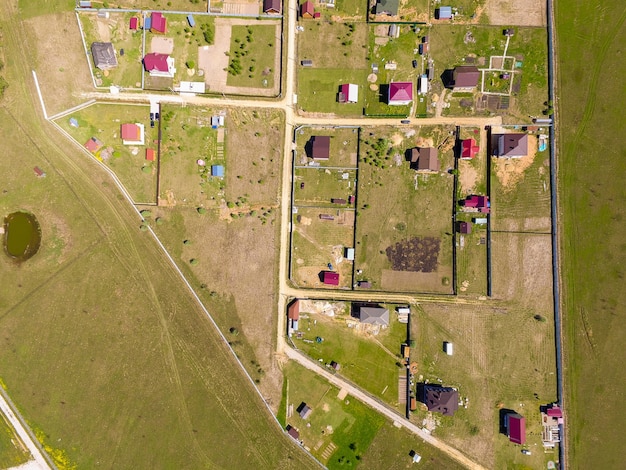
x=518, y=13
x=510, y=171
x=417, y=254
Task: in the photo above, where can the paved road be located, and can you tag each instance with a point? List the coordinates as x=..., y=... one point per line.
x=382, y=409
x=25, y=435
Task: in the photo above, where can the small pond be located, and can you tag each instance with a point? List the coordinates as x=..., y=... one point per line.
x=22, y=235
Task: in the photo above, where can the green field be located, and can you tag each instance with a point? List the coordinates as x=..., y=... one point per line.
x=107, y=355
x=318, y=89
x=591, y=195
x=396, y=204
x=343, y=146
x=371, y=361
x=252, y=54
x=128, y=162
x=12, y=453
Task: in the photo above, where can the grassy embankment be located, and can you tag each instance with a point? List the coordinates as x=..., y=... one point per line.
x=592, y=194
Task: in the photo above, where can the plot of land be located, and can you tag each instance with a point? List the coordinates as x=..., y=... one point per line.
x=520, y=13
x=342, y=151
x=253, y=52
x=397, y=205
x=128, y=162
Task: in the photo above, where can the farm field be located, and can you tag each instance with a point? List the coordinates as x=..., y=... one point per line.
x=390, y=231
x=593, y=246
x=452, y=46
x=369, y=357
x=128, y=162
x=115, y=30
x=488, y=372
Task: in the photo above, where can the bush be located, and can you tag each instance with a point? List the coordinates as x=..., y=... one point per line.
x=201, y=210
x=193, y=261
x=190, y=64
x=146, y=213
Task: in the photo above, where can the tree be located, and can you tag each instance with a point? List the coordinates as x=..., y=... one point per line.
x=190, y=64
x=233, y=331
x=201, y=210
x=193, y=261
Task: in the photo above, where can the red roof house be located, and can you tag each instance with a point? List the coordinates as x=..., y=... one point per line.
x=158, y=23
x=159, y=65
x=150, y=155
x=478, y=202
x=132, y=134
x=93, y=145
x=307, y=10
x=349, y=93
x=400, y=93
x=469, y=149
x=134, y=23
x=330, y=278
x=515, y=428
x=293, y=311
x=272, y=7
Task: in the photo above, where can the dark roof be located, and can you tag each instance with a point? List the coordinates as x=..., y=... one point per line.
x=466, y=76
x=293, y=432
x=510, y=145
x=272, y=6
x=424, y=159
x=103, y=55
x=444, y=400
x=364, y=284
x=374, y=315
x=320, y=147
x=387, y=7
x=465, y=227
x=304, y=410
x=516, y=428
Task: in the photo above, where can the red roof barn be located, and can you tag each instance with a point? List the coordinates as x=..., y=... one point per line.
x=400, y=93
x=93, y=145
x=320, y=147
x=307, y=10
x=272, y=6
x=515, y=428
x=293, y=311
x=330, y=278
x=134, y=23
x=469, y=149
x=158, y=23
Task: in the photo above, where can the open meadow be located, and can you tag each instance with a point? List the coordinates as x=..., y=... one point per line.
x=593, y=245
x=105, y=352
x=404, y=232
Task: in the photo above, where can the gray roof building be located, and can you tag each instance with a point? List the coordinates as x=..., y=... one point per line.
x=374, y=315
x=103, y=55
x=387, y=7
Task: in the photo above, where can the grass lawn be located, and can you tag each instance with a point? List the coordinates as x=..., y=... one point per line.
x=103, y=121
x=450, y=47
x=11, y=452
x=343, y=146
x=490, y=370
x=520, y=192
x=348, y=9
x=187, y=136
x=388, y=193
x=317, y=186
x=318, y=89
x=344, y=44
x=593, y=244
x=340, y=431
x=252, y=53
x=370, y=361
x=115, y=30
x=173, y=5
x=316, y=243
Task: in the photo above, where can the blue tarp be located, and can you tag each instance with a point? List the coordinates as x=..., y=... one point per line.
x=147, y=23
x=217, y=170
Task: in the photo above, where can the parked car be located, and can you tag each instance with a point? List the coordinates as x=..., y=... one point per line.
x=526, y=452
x=152, y=116
x=414, y=63
x=302, y=185
x=151, y=123
x=405, y=121
x=156, y=116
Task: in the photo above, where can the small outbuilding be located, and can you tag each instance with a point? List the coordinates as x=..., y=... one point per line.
x=448, y=348
x=191, y=21
x=150, y=155
x=217, y=171
x=334, y=365
x=304, y=410
x=307, y=10
x=103, y=55
x=330, y=278
x=443, y=13
x=272, y=7
x=293, y=432
x=349, y=93
x=349, y=254
x=464, y=228
x=93, y=144
x=133, y=24
x=158, y=23
x=364, y=284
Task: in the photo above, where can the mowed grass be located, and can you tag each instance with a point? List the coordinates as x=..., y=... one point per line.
x=257, y=48
x=318, y=186
x=492, y=371
x=318, y=90
x=593, y=244
x=396, y=204
x=333, y=45
x=104, y=121
x=340, y=431
x=11, y=452
x=344, y=143
x=371, y=361
x=115, y=30
x=448, y=48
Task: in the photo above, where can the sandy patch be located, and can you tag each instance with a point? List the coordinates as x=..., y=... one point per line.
x=343, y=393
x=519, y=12
x=162, y=45
x=510, y=171
x=467, y=176
x=396, y=139
x=103, y=30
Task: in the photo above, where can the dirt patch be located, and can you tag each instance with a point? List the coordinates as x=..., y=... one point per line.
x=414, y=281
x=467, y=176
x=396, y=140
x=416, y=254
x=510, y=171
x=518, y=13
x=162, y=45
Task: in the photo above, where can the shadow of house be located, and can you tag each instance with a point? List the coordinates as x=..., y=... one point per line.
x=447, y=77
x=383, y=93
x=502, y=421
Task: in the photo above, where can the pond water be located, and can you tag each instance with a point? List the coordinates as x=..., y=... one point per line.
x=22, y=235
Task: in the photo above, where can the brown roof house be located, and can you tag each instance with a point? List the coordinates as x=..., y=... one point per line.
x=438, y=399
x=293, y=432
x=509, y=145
x=319, y=147
x=274, y=7
x=424, y=159
x=307, y=10
x=465, y=78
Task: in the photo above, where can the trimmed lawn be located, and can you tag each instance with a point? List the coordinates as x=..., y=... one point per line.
x=318, y=90
x=128, y=162
x=340, y=430
x=322, y=185
x=252, y=53
x=371, y=361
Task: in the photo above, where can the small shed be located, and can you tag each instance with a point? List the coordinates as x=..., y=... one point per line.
x=464, y=227
x=133, y=25
x=74, y=122
x=39, y=172
x=304, y=410
x=150, y=154
x=191, y=21
x=306, y=63
x=349, y=254
x=364, y=284
x=335, y=365
x=327, y=217
x=330, y=278
x=448, y=348
x=293, y=432
x=338, y=200
x=307, y=10
x=443, y=13
x=84, y=4
x=413, y=404
x=147, y=24
x=217, y=171
x=293, y=311
x=479, y=220
x=406, y=350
